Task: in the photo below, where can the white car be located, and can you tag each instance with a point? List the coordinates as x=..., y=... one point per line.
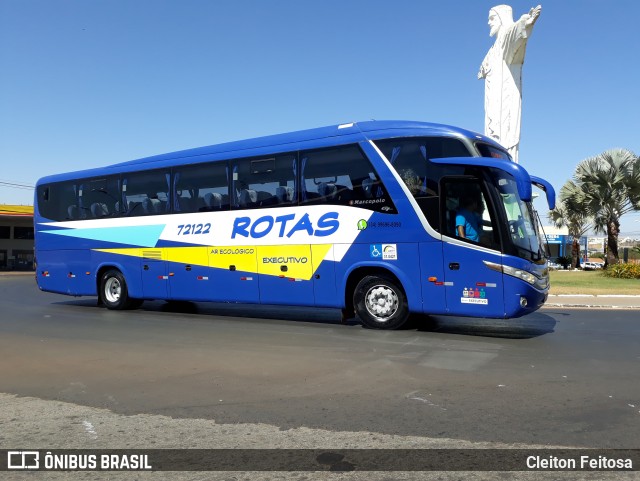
x=591, y=266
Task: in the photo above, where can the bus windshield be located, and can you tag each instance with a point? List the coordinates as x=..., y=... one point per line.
x=523, y=229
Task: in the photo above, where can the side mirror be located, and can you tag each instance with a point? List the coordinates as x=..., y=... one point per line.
x=547, y=188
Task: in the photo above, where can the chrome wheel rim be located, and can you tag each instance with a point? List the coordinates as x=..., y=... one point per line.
x=382, y=302
x=112, y=290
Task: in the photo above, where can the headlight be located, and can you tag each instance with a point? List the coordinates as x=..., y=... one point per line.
x=520, y=274
x=528, y=277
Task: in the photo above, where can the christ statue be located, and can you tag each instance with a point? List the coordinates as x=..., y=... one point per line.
x=502, y=71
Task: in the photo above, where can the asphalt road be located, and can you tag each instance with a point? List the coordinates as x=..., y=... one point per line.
x=560, y=377
x=566, y=377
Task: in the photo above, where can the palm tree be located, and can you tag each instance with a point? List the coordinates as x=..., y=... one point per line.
x=570, y=215
x=607, y=187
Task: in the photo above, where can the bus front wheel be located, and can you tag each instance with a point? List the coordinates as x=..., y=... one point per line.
x=380, y=303
x=113, y=291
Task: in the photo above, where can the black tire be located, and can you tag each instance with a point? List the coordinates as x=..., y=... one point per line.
x=114, y=293
x=380, y=303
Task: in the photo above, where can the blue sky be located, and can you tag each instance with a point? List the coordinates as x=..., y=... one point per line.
x=90, y=83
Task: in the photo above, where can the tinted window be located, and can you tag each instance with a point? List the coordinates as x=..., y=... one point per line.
x=264, y=182
x=58, y=201
x=146, y=193
x=4, y=231
x=22, y=232
x=99, y=198
x=410, y=157
x=466, y=214
x=439, y=147
x=201, y=187
x=23, y=259
x=491, y=151
x=342, y=175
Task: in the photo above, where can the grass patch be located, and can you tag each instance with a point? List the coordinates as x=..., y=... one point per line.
x=591, y=282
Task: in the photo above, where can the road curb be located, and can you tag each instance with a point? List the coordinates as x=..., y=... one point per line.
x=598, y=301
x=633, y=296
x=589, y=306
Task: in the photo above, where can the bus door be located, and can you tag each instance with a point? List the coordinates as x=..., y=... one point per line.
x=155, y=278
x=189, y=274
x=286, y=274
x=433, y=286
x=470, y=241
x=233, y=276
x=324, y=273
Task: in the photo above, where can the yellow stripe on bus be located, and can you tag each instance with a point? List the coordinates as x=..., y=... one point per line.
x=295, y=261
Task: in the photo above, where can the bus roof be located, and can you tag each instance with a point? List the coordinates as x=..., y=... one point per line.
x=303, y=139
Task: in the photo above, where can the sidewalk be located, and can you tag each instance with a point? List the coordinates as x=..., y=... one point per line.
x=610, y=301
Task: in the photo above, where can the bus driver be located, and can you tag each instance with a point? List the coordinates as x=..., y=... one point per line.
x=469, y=218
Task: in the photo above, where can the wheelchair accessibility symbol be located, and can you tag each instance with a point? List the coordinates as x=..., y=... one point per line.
x=376, y=250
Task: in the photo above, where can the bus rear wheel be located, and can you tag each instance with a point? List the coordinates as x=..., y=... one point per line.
x=113, y=291
x=380, y=303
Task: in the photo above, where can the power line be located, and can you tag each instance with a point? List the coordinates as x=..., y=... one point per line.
x=15, y=185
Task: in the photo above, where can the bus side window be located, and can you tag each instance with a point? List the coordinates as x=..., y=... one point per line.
x=411, y=159
x=98, y=198
x=200, y=187
x=146, y=193
x=264, y=182
x=58, y=201
x=467, y=215
x=342, y=176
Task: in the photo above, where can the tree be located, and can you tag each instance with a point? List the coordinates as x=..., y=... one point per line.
x=570, y=215
x=607, y=187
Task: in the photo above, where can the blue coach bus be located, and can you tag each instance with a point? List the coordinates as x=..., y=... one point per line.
x=364, y=217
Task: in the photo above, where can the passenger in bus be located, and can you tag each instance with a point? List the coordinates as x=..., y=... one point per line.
x=412, y=181
x=418, y=186
x=469, y=218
